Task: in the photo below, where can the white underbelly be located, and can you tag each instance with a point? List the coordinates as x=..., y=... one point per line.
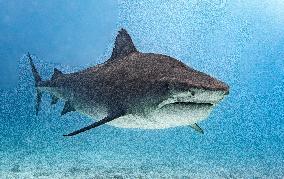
x=166, y=117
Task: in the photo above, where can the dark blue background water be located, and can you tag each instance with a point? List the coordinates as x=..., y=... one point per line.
x=239, y=42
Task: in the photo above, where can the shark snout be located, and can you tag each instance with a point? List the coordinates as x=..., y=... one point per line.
x=219, y=86
x=224, y=87
x=187, y=78
x=203, y=81
x=210, y=85
x=226, y=92
x=201, y=89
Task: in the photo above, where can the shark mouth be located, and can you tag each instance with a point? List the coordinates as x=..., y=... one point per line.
x=179, y=109
x=186, y=103
x=199, y=97
x=190, y=103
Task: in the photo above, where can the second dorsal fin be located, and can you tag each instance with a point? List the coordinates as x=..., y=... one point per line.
x=123, y=45
x=56, y=74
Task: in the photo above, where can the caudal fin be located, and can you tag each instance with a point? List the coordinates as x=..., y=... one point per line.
x=37, y=81
x=34, y=70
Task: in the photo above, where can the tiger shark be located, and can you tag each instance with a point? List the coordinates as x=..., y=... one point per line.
x=134, y=90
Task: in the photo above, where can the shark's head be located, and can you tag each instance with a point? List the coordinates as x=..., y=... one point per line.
x=198, y=88
x=186, y=85
x=174, y=93
x=191, y=94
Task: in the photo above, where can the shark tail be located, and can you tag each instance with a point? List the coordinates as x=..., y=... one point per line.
x=37, y=81
x=34, y=71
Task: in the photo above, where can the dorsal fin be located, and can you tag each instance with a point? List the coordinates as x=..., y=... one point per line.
x=56, y=74
x=123, y=45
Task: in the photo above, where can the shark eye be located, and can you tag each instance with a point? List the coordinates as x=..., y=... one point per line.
x=192, y=93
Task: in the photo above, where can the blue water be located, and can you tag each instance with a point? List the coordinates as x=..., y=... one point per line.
x=239, y=42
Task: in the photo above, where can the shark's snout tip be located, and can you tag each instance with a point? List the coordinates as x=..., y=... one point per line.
x=227, y=92
x=225, y=88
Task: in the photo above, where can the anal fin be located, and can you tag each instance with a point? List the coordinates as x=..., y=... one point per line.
x=197, y=128
x=67, y=108
x=54, y=100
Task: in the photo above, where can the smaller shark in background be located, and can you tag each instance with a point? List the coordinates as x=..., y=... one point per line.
x=134, y=90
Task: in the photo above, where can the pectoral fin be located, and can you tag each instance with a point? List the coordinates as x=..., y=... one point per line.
x=197, y=128
x=95, y=124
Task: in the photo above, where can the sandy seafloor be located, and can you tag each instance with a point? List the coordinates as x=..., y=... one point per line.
x=61, y=165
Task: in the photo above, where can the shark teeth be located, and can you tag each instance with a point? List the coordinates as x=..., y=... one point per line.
x=195, y=96
x=174, y=100
x=179, y=101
